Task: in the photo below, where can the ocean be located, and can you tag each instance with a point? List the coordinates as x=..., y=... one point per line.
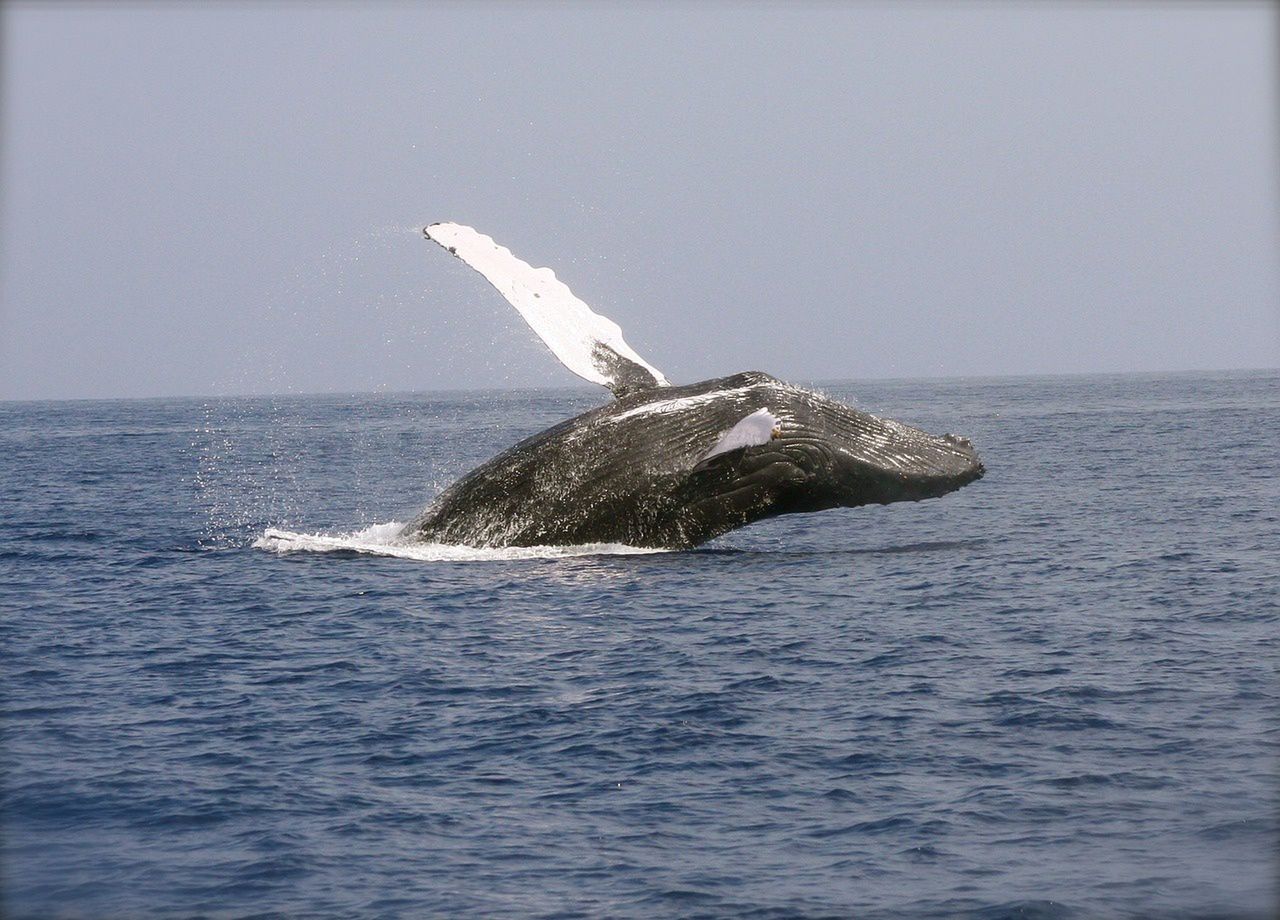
x=1052, y=694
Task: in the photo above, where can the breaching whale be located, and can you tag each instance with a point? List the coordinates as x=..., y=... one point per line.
x=670, y=466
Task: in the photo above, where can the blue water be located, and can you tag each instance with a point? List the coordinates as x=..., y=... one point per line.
x=1051, y=694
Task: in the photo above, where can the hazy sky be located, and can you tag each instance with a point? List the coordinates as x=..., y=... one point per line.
x=211, y=198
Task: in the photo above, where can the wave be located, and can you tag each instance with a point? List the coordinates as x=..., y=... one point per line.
x=386, y=540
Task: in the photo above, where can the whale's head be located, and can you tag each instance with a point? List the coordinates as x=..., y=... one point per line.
x=820, y=454
x=831, y=455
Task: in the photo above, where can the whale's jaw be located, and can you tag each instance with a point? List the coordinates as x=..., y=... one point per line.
x=827, y=455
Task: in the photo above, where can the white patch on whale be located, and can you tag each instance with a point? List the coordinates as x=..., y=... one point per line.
x=571, y=329
x=757, y=428
x=677, y=405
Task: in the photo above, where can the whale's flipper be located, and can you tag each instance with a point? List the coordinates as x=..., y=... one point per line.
x=587, y=343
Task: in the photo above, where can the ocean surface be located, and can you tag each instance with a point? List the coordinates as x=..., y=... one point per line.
x=1052, y=694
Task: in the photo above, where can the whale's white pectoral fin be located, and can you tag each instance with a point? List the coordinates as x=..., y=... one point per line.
x=759, y=427
x=587, y=343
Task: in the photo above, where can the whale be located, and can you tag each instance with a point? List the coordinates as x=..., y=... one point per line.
x=670, y=466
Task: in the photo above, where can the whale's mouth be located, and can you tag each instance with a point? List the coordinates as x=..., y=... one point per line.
x=821, y=455
x=802, y=470
x=910, y=468
x=876, y=460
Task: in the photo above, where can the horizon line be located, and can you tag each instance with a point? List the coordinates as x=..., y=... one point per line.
x=586, y=386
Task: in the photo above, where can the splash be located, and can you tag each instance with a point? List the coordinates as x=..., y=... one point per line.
x=385, y=540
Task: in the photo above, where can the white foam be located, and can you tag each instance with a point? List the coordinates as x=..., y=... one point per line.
x=569, y=327
x=386, y=540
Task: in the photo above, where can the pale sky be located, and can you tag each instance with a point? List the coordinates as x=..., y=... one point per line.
x=211, y=198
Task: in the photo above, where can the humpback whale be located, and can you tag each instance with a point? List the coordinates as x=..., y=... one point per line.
x=668, y=466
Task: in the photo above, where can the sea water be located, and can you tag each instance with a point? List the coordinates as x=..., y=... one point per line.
x=228, y=691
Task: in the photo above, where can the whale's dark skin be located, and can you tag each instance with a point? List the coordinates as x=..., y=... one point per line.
x=632, y=471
